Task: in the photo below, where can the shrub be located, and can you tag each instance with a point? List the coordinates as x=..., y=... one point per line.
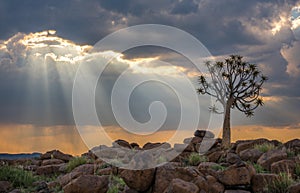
x=218, y=167
x=264, y=147
x=76, y=161
x=281, y=184
x=290, y=153
x=18, y=177
x=259, y=168
x=196, y=158
x=116, y=184
x=297, y=170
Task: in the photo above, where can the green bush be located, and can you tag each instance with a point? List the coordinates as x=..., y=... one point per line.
x=18, y=177
x=259, y=169
x=195, y=159
x=76, y=161
x=281, y=184
x=297, y=170
x=116, y=184
x=264, y=147
x=218, y=167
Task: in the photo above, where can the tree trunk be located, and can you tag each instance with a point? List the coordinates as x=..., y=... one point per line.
x=226, y=137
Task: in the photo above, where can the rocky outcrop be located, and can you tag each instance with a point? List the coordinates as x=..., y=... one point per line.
x=260, y=182
x=57, y=155
x=180, y=186
x=250, y=155
x=270, y=157
x=236, y=175
x=88, y=184
x=166, y=173
x=219, y=171
x=140, y=180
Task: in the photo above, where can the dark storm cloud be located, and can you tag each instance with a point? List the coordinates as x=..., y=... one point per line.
x=223, y=26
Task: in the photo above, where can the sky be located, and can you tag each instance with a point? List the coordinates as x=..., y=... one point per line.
x=42, y=44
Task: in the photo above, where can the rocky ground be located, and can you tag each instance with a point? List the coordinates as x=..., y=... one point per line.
x=258, y=165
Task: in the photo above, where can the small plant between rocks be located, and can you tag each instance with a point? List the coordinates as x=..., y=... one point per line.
x=264, y=147
x=75, y=162
x=195, y=159
x=282, y=184
x=116, y=185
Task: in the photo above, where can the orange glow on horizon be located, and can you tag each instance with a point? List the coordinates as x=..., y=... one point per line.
x=17, y=138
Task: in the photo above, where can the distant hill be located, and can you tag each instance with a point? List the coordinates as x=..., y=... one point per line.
x=19, y=156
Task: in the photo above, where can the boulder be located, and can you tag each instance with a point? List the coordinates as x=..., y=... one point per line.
x=232, y=158
x=293, y=145
x=166, y=173
x=295, y=188
x=150, y=145
x=193, y=140
x=216, y=187
x=184, y=147
x=215, y=156
x=235, y=175
x=121, y=143
x=283, y=166
x=88, y=184
x=135, y=146
x=67, y=178
x=139, y=180
x=57, y=155
x=249, y=144
x=204, y=134
x=52, y=162
x=5, y=186
x=201, y=183
x=181, y=186
x=48, y=170
x=270, y=157
x=86, y=169
x=250, y=155
x=260, y=182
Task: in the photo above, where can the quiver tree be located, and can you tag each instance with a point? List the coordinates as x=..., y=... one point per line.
x=235, y=84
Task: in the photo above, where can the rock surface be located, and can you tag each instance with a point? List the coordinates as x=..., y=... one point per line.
x=88, y=184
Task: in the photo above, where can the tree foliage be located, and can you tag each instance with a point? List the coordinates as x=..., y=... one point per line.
x=234, y=79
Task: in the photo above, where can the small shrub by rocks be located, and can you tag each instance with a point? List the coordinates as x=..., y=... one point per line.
x=264, y=147
x=74, y=162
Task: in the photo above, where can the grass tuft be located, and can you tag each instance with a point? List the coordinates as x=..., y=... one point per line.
x=18, y=177
x=264, y=147
x=281, y=184
x=195, y=159
x=116, y=185
x=75, y=162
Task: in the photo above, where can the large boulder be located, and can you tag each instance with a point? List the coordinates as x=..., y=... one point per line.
x=57, y=155
x=67, y=178
x=166, y=173
x=181, y=186
x=204, y=134
x=88, y=184
x=233, y=158
x=48, y=169
x=260, y=182
x=249, y=144
x=295, y=188
x=140, y=180
x=293, y=145
x=283, y=166
x=86, y=169
x=202, y=183
x=52, y=162
x=268, y=158
x=235, y=175
x=121, y=143
x=250, y=155
x=215, y=156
